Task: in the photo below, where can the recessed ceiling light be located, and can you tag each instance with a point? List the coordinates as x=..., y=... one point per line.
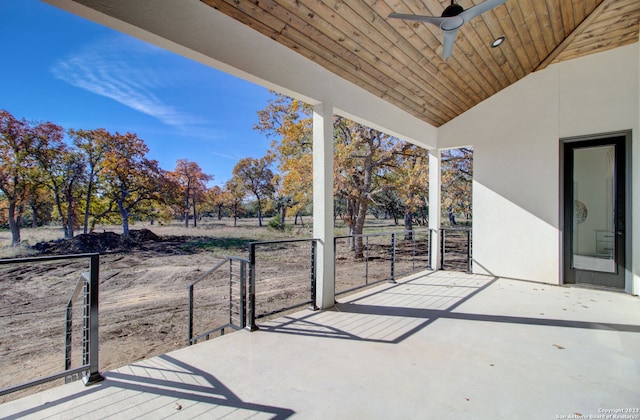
x=497, y=42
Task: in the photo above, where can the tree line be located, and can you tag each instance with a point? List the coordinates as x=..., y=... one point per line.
x=80, y=178
x=374, y=173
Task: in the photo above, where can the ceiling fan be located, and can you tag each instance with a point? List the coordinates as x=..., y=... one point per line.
x=453, y=17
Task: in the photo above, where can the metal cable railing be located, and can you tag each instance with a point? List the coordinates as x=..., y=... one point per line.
x=236, y=311
x=88, y=287
x=457, y=242
x=375, y=257
x=284, y=291
x=82, y=286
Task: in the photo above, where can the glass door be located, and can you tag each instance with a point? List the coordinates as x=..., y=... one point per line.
x=594, y=211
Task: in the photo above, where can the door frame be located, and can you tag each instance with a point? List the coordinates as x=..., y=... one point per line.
x=565, y=142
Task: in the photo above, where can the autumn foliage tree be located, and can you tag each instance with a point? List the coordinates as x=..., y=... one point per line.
x=218, y=199
x=237, y=194
x=16, y=166
x=288, y=122
x=362, y=157
x=192, y=185
x=255, y=176
x=92, y=145
x=457, y=180
x=62, y=171
x=130, y=178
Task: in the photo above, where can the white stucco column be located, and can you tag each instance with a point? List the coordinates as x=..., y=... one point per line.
x=323, y=203
x=434, y=207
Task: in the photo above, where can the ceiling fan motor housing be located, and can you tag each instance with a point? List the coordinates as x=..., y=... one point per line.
x=452, y=10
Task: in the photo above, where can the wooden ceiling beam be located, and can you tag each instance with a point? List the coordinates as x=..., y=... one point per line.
x=591, y=17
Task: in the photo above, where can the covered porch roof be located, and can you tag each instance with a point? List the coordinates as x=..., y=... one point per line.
x=435, y=345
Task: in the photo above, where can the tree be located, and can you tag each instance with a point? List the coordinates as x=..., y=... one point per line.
x=16, y=164
x=410, y=182
x=93, y=144
x=130, y=178
x=39, y=201
x=254, y=176
x=237, y=194
x=288, y=121
x=61, y=170
x=191, y=181
x=362, y=157
x=457, y=179
x=218, y=199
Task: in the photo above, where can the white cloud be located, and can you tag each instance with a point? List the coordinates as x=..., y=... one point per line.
x=222, y=155
x=122, y=69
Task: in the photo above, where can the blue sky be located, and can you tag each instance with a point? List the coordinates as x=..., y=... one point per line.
x=61, y=68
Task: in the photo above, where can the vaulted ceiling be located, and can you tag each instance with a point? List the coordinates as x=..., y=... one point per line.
x=401, y=61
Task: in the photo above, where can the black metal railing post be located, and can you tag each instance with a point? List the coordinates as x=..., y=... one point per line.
x=469, y=267
x=442, y=245
x=190, y=323
x=413, y=252
x=393, y=258
x=243, y=294
x=230, y=304
x=429, y=265
x=251, y=325
x=314, y=252
x=366, y=260
x=94, y=375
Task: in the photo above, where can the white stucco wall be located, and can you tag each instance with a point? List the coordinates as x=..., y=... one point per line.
x=515, y=135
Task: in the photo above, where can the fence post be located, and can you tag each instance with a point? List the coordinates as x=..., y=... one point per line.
x=314, y=248
x=393, y=258
x=243, y=294
x=442, y=244
x=413, y=257
x=366, y=260
x=230, y=294
x=429, y=265
x=469, y=268
x=94, y=375
x=252, y=288
x=335, y=262
x=190, y=325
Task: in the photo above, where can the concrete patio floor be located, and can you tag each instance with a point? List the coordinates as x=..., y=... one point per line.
x=434, y=346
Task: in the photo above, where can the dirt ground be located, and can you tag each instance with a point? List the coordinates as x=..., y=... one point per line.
x=144, y=297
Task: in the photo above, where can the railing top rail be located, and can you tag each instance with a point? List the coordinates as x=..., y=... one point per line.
x=381, y=233
x=46, y=258
x=218, y=265
x=283, y=241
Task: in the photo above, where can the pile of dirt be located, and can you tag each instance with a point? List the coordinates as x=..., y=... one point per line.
x=97, y=242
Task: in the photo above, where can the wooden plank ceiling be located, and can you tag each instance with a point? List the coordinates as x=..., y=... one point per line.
x=401, y=61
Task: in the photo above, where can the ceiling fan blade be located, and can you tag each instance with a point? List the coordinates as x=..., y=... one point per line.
x=428, y=19
x=478, y=9
x=449, y=40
